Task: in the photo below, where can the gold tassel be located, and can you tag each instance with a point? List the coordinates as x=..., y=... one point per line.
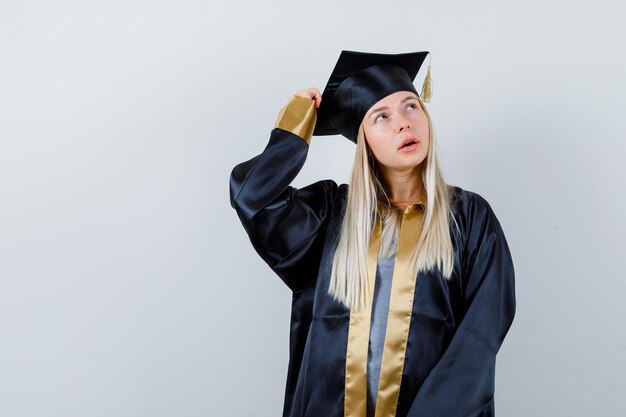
x=427, y=87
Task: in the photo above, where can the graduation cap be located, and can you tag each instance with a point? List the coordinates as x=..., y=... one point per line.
x=361, y=79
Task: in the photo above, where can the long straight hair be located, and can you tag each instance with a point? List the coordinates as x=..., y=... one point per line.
x=367, y=196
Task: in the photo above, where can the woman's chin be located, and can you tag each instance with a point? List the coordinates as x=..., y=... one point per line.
x=410, y=163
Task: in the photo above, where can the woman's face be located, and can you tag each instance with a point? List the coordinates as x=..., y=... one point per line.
x=387, y=126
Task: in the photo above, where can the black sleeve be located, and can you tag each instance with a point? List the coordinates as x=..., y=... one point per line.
x=284, y=224
x=462, y=382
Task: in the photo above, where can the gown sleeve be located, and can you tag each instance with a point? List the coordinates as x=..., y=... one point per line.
x=285, y=224
x=461, y=384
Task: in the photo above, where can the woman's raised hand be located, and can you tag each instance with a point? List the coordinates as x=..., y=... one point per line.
x=312, y=93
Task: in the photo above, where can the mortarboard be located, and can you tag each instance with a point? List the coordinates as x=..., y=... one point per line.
x=359, y=80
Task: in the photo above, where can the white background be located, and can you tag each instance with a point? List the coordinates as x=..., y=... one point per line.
x=128, y=286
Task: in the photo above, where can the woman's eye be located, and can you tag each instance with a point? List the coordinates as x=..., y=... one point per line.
x=380, y=115
x=412, y=105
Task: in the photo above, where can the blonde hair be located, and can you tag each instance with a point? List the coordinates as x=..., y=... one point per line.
x=366, y=194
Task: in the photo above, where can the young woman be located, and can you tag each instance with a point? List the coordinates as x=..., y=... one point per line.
x=403, y=285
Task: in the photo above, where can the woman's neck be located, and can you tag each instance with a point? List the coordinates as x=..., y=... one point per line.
x=404, y=188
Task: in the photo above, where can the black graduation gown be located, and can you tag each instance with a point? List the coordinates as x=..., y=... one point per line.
x=456, y=327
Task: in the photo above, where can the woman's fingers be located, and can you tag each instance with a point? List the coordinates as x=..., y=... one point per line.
x=317, y=97
x=312, y=93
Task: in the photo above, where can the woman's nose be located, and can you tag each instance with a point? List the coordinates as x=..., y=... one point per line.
x=403, y=124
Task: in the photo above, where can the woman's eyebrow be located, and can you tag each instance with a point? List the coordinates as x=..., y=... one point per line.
x=386, y=107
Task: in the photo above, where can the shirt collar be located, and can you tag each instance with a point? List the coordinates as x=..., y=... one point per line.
x=416, y=205
x=419, y=204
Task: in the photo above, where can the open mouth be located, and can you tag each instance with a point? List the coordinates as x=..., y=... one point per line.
x=409, y=141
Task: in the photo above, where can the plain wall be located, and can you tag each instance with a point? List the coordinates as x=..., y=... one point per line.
x=128, y=287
